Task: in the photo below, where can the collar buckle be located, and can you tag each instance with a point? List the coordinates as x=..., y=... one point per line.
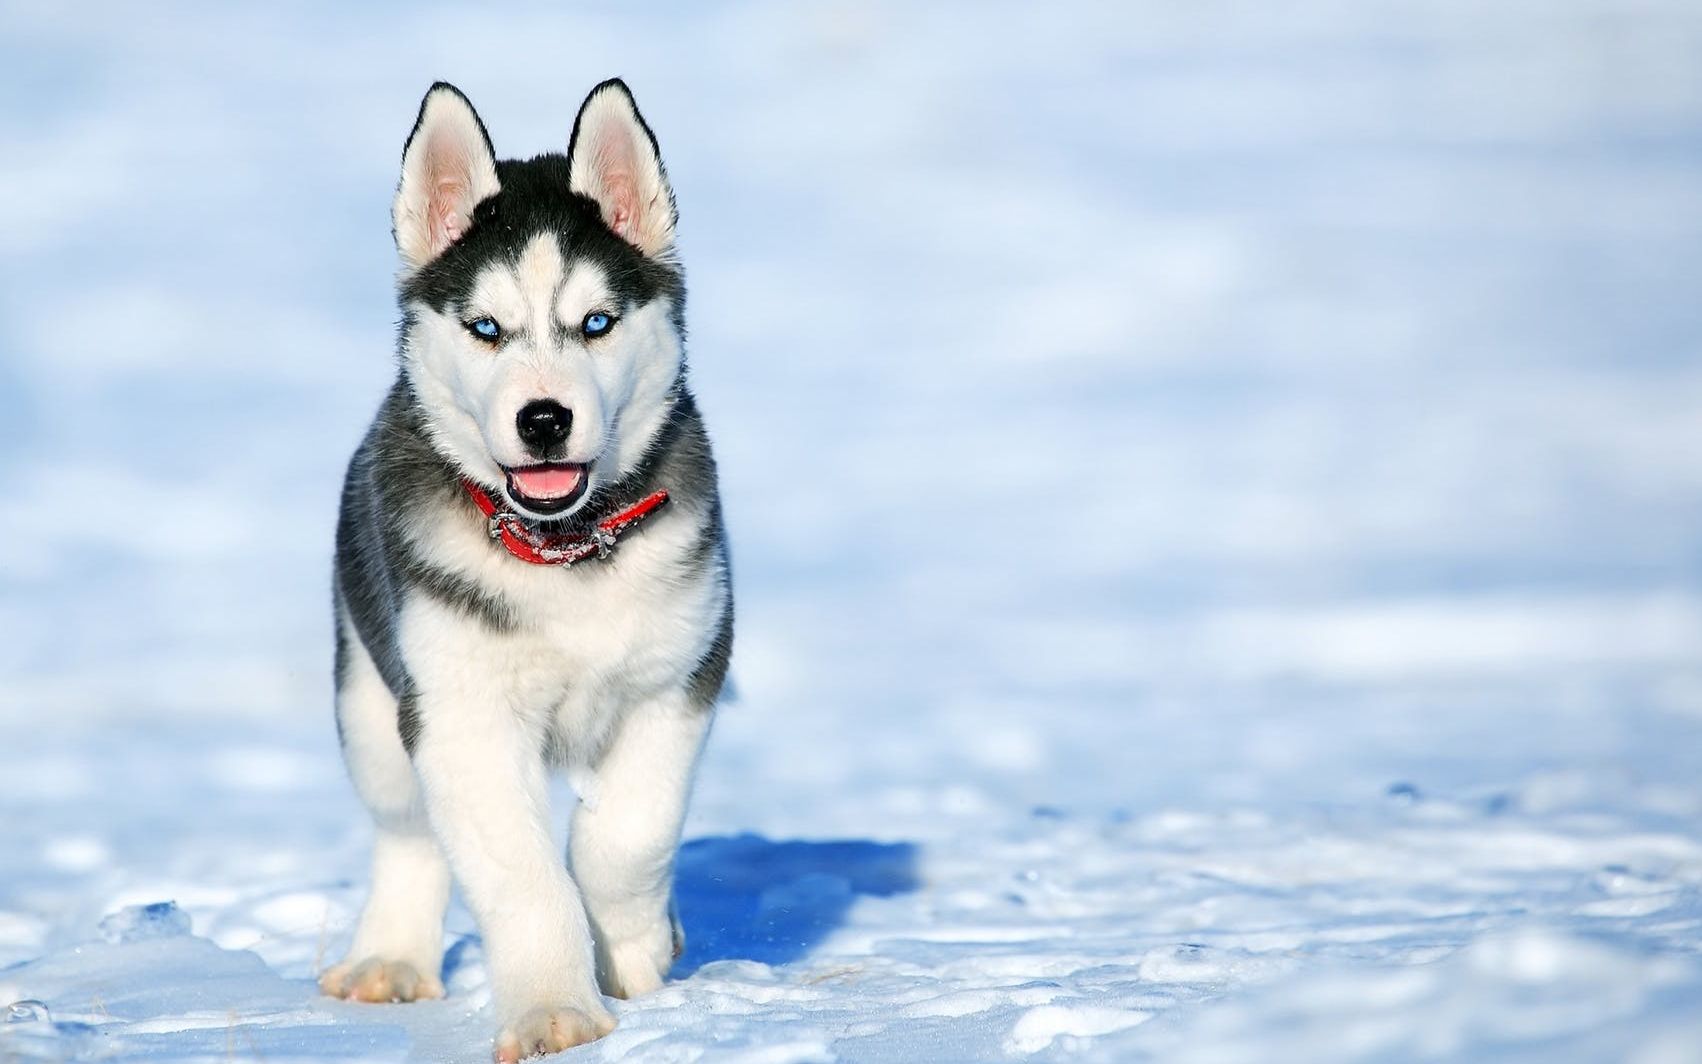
x=603, y=540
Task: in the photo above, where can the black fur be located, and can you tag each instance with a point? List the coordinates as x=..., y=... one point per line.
x=711, y=673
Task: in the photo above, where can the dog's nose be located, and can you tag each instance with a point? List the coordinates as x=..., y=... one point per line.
x=543, y=424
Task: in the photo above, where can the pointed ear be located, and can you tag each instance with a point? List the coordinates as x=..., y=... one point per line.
x=615, y=161
x=447, y=168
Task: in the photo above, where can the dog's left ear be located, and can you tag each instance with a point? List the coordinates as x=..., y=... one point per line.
x=615, y=161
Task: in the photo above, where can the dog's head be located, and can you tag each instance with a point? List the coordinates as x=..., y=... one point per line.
x=541, y=302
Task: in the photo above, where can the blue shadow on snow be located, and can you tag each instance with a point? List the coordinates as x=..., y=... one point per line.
x=744, y=897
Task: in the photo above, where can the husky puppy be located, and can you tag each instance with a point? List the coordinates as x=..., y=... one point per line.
x=512, y=596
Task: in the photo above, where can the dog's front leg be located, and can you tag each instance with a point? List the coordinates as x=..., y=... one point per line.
x=623, y=841
x=486, y=793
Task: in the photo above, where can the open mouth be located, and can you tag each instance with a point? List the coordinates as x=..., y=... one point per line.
x=549, y=488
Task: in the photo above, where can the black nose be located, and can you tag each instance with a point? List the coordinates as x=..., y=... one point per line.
x=543, y=424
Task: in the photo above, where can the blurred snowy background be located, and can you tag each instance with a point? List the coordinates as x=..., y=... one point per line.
x=1214, y=488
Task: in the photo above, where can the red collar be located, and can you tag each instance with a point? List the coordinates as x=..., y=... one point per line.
x=530, y=545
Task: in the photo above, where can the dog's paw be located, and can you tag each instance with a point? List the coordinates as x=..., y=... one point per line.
x=551, y=1030
x=375, y=979
x=639, y=965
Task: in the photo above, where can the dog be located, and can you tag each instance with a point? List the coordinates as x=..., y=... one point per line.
x=531, y=574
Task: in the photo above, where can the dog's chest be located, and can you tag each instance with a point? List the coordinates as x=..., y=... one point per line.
x=586, y=640
x=623, y=624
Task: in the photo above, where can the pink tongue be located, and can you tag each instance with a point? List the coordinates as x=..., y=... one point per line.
x=547, y=483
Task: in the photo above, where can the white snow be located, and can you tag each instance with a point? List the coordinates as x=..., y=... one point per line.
x=1040, y=1027
x=1214, y=492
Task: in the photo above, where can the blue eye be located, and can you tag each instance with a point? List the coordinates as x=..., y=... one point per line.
x=597, y=323
x=485, y=328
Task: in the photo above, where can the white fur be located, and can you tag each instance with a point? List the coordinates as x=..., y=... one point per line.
x=486, y=789
x=402, y=921
x=623, y=849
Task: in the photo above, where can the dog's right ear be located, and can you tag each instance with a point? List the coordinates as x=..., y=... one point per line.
x=447, y=168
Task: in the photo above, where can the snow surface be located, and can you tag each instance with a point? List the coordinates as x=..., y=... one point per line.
x=1214, y=492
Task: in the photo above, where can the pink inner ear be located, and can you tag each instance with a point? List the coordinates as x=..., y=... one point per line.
x=616, y=170
x=448, y=212
x=620, y=204
x=450, y=172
